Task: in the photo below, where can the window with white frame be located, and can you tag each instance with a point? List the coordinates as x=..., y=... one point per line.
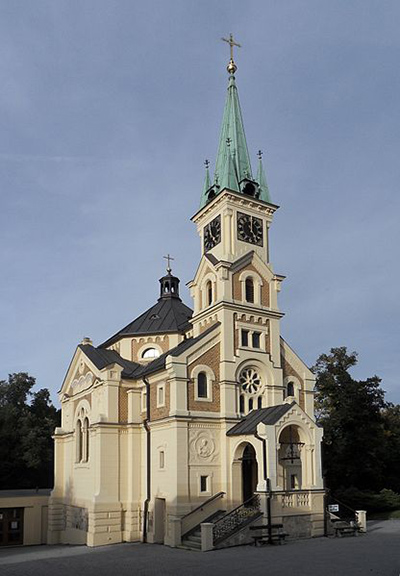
x=251, y=284
x=150, y=353
x=202, y=385
x=82, y=436
x=245, y=337
x=254, y=339
x=204, y=484
x=249, y=290
x=291, y=389
x=209, y=292
x=144, y=400
x=203, y=378
x=160, y=395
x=161, y=459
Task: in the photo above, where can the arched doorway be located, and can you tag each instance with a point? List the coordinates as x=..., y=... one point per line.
x=244, y=473
x=290, y=473
x=249, y=472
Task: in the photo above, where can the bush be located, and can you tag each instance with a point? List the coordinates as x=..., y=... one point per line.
x=385, y=500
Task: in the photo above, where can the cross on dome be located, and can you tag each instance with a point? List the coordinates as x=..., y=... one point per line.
x=168, y=258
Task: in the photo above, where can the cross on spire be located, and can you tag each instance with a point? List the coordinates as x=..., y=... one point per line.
x=231, y=66
x=169, y=258
x=260, y=154
x=206, y=163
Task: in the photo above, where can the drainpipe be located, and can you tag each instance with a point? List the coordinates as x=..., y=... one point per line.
x=268, y=483
x=148, y=461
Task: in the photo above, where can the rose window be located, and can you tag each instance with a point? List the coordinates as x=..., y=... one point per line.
x=250, y=381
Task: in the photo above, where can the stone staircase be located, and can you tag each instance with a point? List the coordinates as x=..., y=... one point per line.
x=192, y=540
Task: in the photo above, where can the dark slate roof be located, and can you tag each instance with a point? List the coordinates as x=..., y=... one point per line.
x=168, y=315
x=267, y=416
x=212, y=258
x=102, y=358
x=159, y=363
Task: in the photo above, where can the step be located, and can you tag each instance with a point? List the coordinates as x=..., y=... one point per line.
x=192, y=545
x=194, y=538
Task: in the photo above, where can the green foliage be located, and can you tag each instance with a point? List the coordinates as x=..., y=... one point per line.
x=27, y=422
x=361, y=446
x=385, y=500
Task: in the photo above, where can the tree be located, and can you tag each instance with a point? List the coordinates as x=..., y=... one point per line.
x=27, y=422
x=351, y=412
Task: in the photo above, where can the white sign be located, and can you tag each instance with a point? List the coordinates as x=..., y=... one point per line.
x=333, y=507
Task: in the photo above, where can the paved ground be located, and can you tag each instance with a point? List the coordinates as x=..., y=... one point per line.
x=377, y=552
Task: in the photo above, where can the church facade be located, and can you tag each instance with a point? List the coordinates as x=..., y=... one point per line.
x=185, y=415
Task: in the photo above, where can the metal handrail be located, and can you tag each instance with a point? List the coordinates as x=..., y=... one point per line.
x=205, y=503
x=234, y=520
x=342, y=504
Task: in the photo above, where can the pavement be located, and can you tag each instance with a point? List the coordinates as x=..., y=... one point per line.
x=374, y=553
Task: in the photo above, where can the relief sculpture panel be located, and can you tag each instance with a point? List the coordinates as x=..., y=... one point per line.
x=203, y=446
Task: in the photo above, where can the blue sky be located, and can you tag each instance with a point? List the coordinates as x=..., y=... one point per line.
x=108, y=110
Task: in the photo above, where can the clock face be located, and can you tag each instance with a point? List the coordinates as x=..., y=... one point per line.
x=249, y=229
x=212, y=233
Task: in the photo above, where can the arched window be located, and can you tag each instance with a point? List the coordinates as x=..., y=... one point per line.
x=241, y=404
x=249, y=290
x=85, y=438
x=209, y=289
x=202, y=385
x=250, y=404
x=150, y=353
x=79, y=443
x=259, y=402
x=290, y=389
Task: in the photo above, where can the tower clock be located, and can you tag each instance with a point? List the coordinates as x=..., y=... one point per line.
x=249, y=229
x=212, y=234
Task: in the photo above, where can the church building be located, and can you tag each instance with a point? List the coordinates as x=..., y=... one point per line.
x=188, y=426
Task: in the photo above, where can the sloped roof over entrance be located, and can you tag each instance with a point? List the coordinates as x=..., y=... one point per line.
x=268, y=416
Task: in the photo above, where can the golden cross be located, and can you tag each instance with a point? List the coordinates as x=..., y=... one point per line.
x=231, y=43
x=168, y=258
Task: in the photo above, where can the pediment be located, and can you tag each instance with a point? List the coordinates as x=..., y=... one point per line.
x=206, y=265
x=81, y=376
x=253, y=259
x=295, y=413
x=295, y=361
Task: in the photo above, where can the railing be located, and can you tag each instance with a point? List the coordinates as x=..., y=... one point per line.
x=342, y=511
x=200, y=513
x=236, y=519
x=296, y=499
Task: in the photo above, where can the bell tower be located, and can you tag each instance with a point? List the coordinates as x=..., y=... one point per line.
x=235, y=207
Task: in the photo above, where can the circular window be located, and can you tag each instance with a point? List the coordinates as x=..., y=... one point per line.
x=250, y=381
x=150, y=353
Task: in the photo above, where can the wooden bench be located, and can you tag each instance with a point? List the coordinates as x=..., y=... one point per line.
x=277, y=534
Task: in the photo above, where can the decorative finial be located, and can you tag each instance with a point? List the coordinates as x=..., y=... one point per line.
x=228, y=141
x=207, y=164
x=231, y=66
x=260, y=154
x=169, y=258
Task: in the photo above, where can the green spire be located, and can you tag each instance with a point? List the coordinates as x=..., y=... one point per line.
x=262, y=181
x=232, y=130
x=207, y=184
x=229, y=177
